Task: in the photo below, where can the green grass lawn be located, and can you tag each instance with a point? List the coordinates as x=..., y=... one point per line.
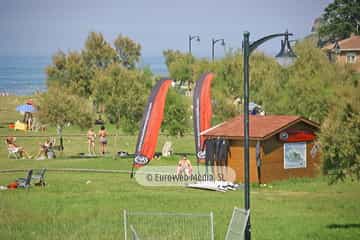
x=68, y=208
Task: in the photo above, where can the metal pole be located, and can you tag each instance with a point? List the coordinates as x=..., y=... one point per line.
x=125, y=224
x=190, y=44
x=212, y=225
x=246, y=53
x=212, y=49
x=247, y=49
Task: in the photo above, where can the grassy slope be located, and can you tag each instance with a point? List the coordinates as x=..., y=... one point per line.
x=68, y=208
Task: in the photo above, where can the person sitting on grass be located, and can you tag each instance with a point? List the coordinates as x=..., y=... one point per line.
x=10, y=141
x=184, y=166
x=44, y=147
x=50, y=150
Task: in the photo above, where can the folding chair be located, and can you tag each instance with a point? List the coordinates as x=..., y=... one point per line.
x=237, y=225
x=134, y=235
x=40, y=177
x=13, y=152
x=25, y=182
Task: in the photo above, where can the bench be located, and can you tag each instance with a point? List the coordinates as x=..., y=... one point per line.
x=25, y=182
x=39, y=177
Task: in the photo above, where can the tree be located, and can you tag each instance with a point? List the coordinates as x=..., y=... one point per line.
x=79, y=74
x=124, y=93
x=97, y=52
x=176, y=117
x=223, y=107
x=171, y=56
x=341, y=18
x=58, y=107
x=56, y=72
x=340, y=137
x=128, y=51
x=307, y=88
x=225, y=86
x=105, y=75
x=76, y=70
x=180, y=66
x=72, y=72
x=229, y=77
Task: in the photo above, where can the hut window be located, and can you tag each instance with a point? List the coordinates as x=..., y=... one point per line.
x=295, y=155
x=351, y=58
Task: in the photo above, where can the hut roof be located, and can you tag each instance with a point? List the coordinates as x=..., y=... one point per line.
x=351, y=43
x=261, y=127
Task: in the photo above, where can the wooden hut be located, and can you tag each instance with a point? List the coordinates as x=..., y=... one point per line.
x=281, y=147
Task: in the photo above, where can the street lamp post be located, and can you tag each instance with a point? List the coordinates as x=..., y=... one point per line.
x=196, y=37
x=284, y=55
x=213, y=42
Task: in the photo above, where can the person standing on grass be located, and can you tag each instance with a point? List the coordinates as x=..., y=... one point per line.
x=102, y=139
x=91, y=136
x=29, y=122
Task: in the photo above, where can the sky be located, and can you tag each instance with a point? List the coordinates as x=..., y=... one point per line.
x=42, y=27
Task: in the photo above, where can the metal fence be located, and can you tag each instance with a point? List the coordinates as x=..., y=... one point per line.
x=76, y=145
x=164, y=226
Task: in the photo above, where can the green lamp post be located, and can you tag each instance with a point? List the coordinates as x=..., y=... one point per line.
x=213, y=42
x=284, y=57
x=195, y=37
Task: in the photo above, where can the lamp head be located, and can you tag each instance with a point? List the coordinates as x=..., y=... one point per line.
x=196, y=37
x=286, y=56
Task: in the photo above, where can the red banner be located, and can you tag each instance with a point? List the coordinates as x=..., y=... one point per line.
x=202, y=110
x=151, y=123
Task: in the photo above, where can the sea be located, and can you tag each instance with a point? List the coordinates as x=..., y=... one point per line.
x=25, y=75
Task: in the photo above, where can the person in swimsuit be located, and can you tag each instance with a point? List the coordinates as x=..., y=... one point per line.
x=184, y=166
x=91, y=136
x=102, y=139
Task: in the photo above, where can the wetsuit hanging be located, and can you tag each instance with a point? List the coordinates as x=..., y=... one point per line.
x=206, y=149
x=210, y=147
x=258, y=160
x=224, y=152
x=218, y=150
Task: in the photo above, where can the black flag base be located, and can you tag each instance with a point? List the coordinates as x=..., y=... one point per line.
x=139, y=161
x=201, y=154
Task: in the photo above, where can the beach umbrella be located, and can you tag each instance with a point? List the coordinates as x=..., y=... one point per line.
x=26, y=108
